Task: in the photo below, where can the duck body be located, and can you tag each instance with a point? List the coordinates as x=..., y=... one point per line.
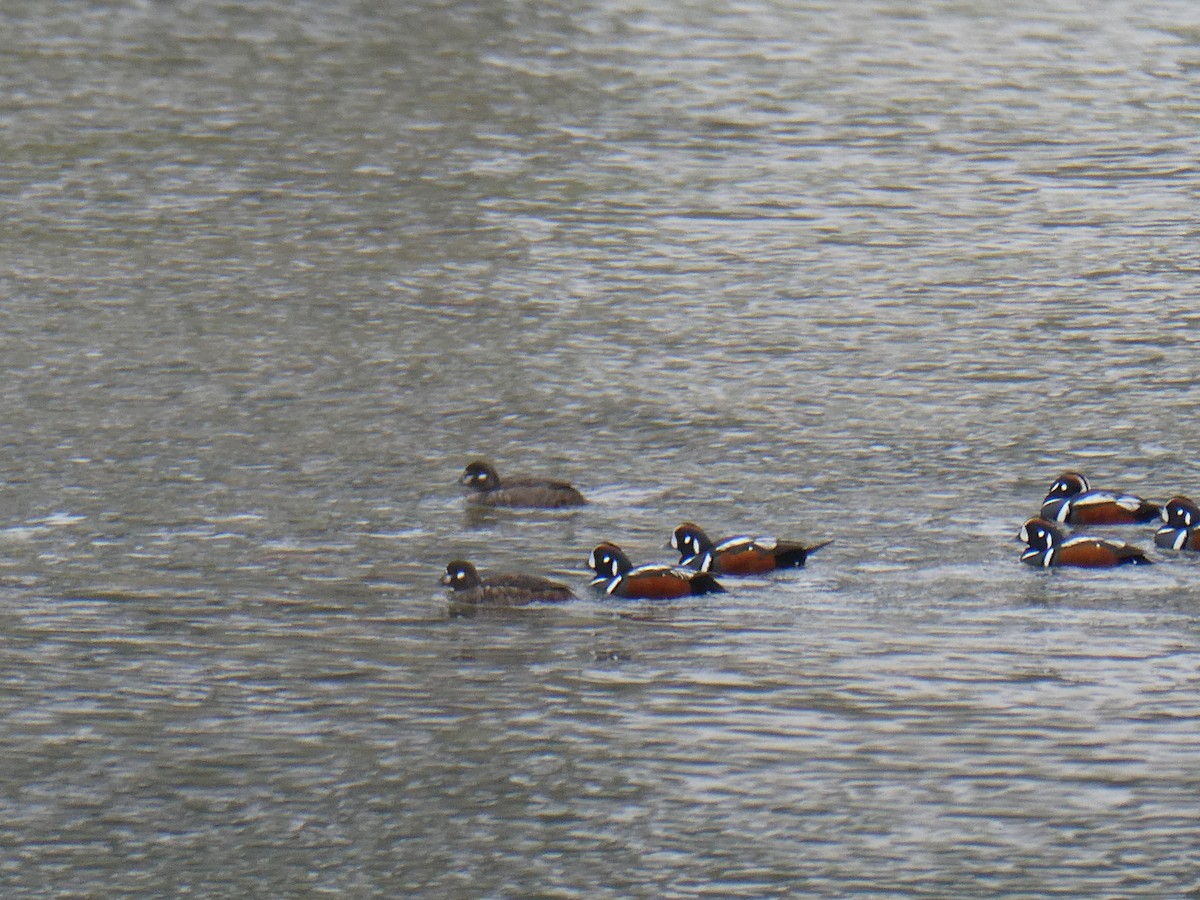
x=1072, y=501
x=618, y=577
x=1049, y=545
x=740, y=554
x=501, y=589
x=1182, y=528
x=487, y=489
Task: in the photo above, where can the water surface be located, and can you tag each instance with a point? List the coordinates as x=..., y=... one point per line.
x=872, y=272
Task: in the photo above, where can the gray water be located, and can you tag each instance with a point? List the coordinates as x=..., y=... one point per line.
x=272, y=274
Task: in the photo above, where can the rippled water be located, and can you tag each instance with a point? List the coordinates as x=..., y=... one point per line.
x=873, y=272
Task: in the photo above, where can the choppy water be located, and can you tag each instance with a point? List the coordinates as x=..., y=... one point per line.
x=873, y=272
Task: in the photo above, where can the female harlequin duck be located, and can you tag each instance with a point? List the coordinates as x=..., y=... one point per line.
x=488, y=490
x=617, y=576
x=501, y=590
x=739, y=555
x=1072, y=501
x=1049, y=546
x=1182, y=531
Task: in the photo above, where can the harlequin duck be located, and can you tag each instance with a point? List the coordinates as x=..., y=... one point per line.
x=618, y=577
x=1049, y=545
x=501, y=590
x=1071, y=500
x=738, y=555
x=1182, y=531
x=488, y=490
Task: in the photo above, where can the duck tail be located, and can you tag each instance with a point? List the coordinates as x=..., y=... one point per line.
x=703, y=583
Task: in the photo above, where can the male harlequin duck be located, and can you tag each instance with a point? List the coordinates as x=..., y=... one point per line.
x=618, y=577
x=1049, y=545
x=488, y=490
x=1072, y=501
x=1182, y=531
x=501, y=590
x=739, y=555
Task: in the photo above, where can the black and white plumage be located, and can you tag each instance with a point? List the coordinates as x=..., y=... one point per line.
x=1048, y=544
